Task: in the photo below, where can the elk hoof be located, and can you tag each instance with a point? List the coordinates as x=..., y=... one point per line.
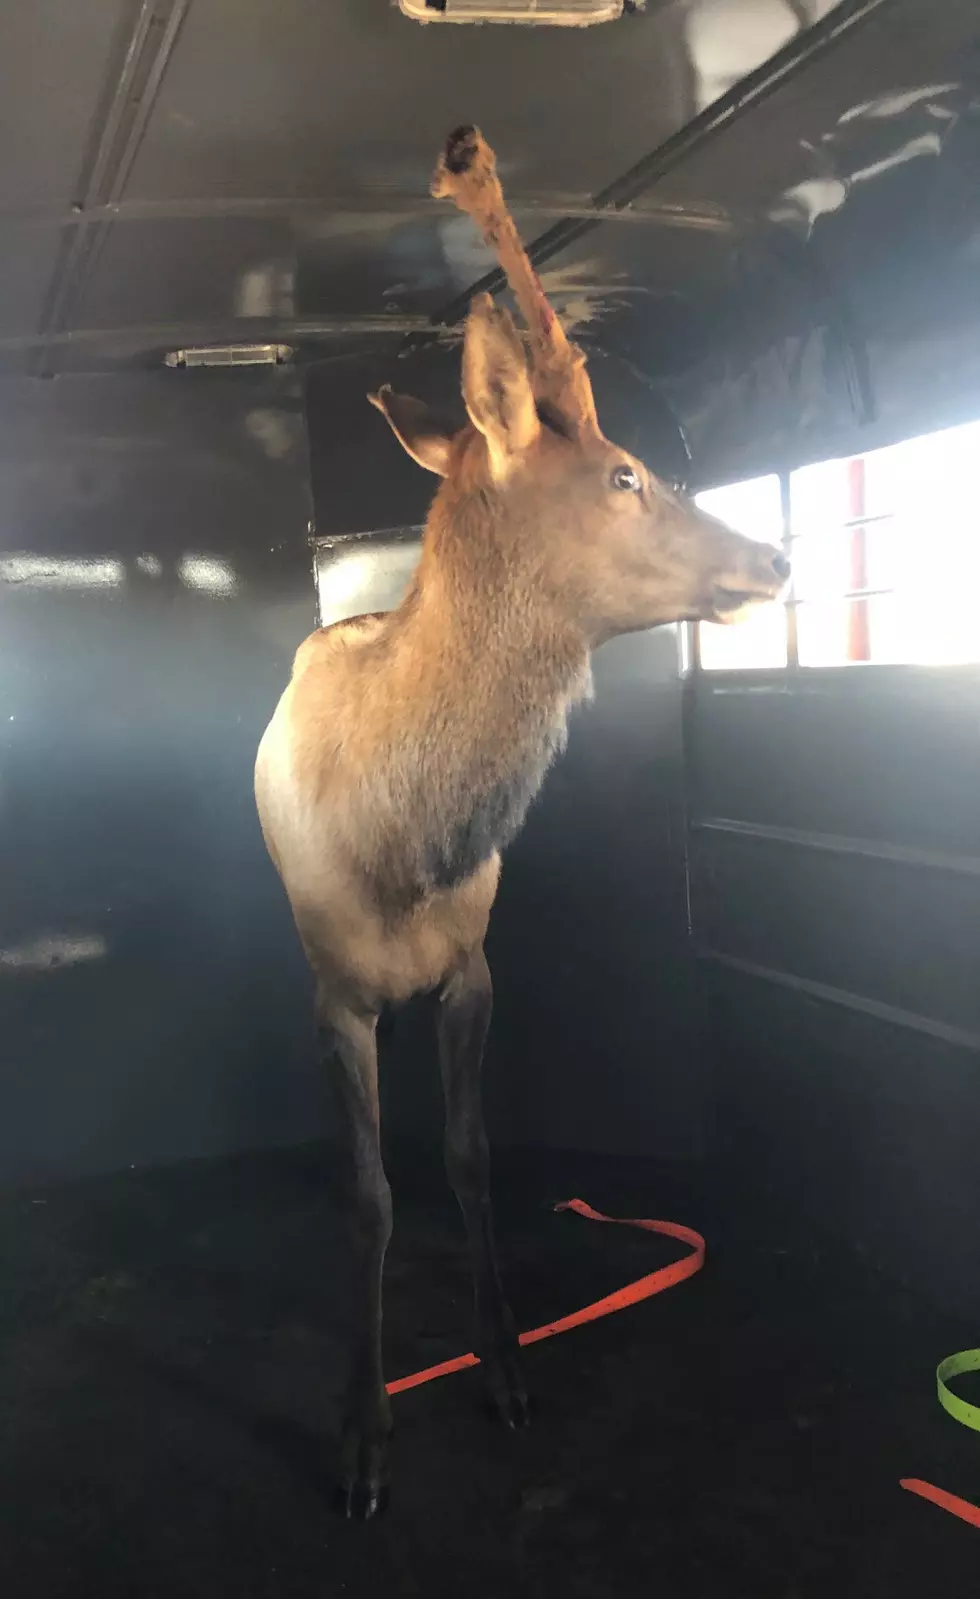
x=362, y=1490
x=516, y=1412
x=361, y=1501
x=506, y=1393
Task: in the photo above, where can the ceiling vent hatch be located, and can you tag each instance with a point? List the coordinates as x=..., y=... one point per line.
x=540, y=13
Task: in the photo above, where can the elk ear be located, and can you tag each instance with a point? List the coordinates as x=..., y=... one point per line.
x=497, y=386
x=417, y=429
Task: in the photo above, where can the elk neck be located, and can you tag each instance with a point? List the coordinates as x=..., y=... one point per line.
x=497, y=668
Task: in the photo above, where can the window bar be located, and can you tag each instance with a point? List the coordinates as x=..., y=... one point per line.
x=850, y=596
x=792, y=631
x=859, y=617
x=694, y=645
x=869, y=521
x=852, y=522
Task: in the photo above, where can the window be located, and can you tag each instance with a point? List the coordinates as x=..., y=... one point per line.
x=886, y=558
x=755, y=509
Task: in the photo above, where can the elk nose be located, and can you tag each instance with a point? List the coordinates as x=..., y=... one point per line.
x=781, y=567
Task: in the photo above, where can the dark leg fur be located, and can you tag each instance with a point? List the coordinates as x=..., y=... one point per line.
x=464, y=1017
x=349, y=1053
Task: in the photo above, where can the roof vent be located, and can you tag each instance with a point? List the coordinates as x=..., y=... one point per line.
x=231, y=355
x=542, y=13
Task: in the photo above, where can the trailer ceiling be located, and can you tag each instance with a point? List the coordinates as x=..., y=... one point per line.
x=787, y=273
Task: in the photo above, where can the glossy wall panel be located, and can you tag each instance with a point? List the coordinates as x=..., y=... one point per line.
x=155, y=576
x=869, y=1130
x=835, y=891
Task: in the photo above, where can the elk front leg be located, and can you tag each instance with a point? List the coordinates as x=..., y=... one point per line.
x=347, y=1041
x=464, y=1017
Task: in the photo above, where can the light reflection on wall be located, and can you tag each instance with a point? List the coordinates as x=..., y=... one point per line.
x=208, y=574
x=52, y=952
x=61, y=572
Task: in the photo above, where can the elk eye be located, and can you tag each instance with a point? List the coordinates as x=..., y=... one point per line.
x=626, y=478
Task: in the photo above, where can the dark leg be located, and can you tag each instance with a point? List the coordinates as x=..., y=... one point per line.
x=349, y=1052
x=464, y=1017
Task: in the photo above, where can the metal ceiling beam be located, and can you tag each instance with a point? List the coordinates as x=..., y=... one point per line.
x=120, y=125
x=152, y=336
x=343, y=204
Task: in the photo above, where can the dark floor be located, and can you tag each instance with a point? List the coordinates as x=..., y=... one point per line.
x=171, y=1370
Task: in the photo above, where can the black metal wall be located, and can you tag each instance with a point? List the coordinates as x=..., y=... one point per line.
x=154, y=580
x=835, y=844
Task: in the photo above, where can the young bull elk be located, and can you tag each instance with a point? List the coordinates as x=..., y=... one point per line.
x=407, y=747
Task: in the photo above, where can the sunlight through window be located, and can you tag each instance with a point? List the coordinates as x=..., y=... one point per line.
x=886, y=559
x=755, y=509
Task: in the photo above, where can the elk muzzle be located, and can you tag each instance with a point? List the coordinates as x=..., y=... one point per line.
x=760, y=575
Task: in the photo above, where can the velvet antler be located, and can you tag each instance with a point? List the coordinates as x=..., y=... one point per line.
x=467, y=174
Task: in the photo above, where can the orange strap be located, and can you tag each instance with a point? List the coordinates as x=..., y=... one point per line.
x=643, y=1288
x=945, y=1501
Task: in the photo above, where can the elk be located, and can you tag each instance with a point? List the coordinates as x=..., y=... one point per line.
x=407, y=746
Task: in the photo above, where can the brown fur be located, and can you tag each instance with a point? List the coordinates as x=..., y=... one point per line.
x=406, y=748
x=467, y=175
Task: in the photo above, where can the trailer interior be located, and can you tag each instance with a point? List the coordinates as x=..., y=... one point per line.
x=735, y=951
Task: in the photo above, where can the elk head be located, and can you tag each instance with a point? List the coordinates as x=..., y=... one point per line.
x=608, y=543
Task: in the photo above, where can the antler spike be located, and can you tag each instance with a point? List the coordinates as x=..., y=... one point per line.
x=467, y=175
